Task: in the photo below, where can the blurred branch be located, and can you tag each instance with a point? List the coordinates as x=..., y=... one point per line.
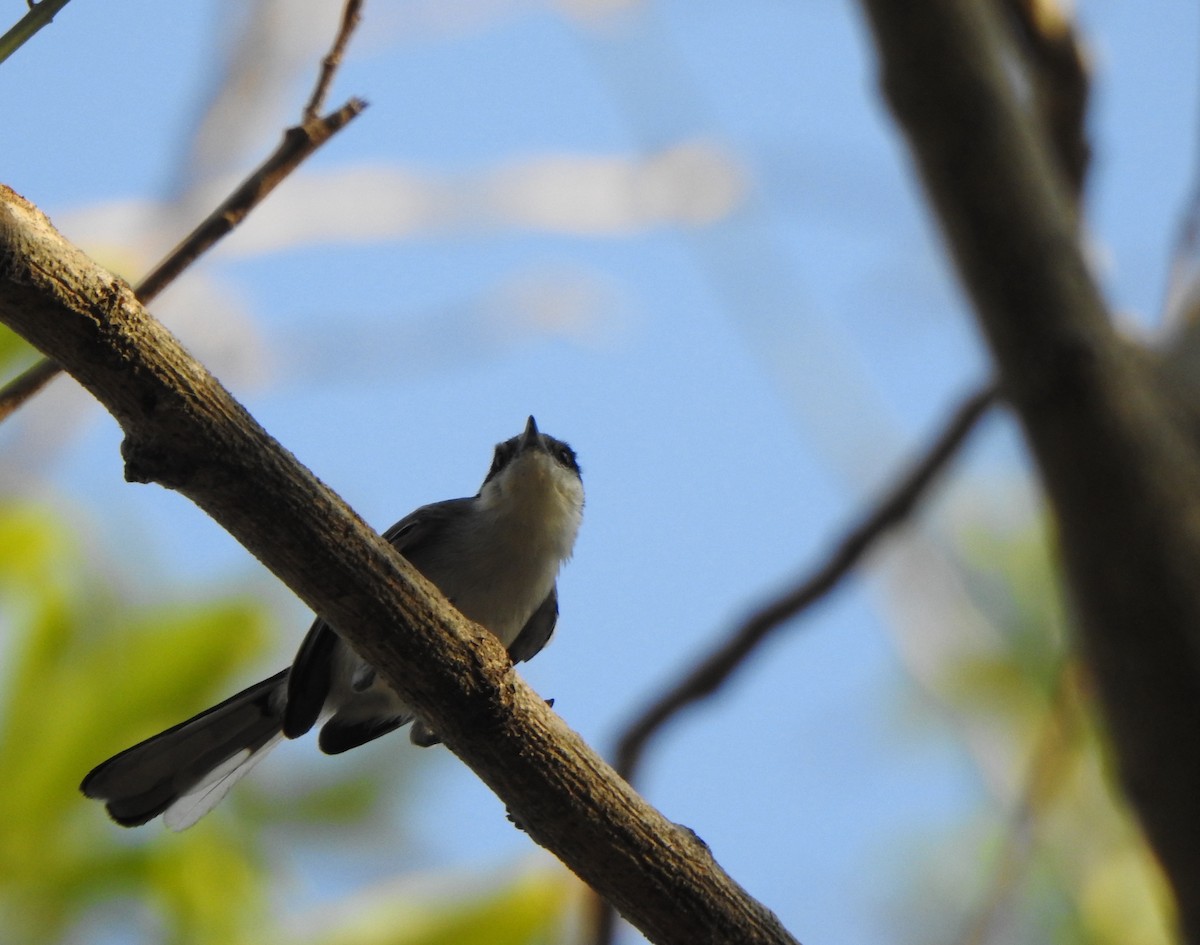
x=25, y=385
x=896, y=507
x=714, y=670
x=1058, y=77
x=1058, y=91
x=1120, y=471
x=1181, y=299
x=299, y=142
x=1043, y=778
x=1056, y=68
x=184, y=431
x=39, y=15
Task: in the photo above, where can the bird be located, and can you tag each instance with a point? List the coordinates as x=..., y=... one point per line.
x=495, y=556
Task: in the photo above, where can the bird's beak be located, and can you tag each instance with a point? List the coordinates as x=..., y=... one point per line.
x=530, y=438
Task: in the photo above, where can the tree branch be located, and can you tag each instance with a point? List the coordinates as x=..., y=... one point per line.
x=1121, y=474
x=184, y=431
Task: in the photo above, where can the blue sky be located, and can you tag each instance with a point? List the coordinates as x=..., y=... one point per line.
x=732, y=305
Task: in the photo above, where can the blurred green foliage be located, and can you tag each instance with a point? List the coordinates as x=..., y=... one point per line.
x=1064, y=860
x=85, y=677
x=526, y=910
x=15, y=353
x=87, y=674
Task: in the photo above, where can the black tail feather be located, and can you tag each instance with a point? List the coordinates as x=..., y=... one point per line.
x=144, y=781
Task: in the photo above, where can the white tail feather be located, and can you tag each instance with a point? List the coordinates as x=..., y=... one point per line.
x=208, y=793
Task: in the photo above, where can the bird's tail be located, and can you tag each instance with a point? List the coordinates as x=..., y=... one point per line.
x=184, y=772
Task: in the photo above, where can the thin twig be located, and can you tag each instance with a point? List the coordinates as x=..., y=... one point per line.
x=298, y=143
x=39, y=15
x=1043, y=777
x=711, y=672
x=26, y=384
x=351, y=14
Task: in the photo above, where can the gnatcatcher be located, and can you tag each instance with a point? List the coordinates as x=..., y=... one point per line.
x=495, y=556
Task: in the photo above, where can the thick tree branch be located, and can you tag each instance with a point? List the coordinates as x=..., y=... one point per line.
x=1121, y=474
x=184, y=431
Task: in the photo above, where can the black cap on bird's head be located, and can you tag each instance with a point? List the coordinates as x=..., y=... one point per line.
x=531, y=439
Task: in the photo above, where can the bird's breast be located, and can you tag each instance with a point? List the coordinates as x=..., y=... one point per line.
x=501, y=572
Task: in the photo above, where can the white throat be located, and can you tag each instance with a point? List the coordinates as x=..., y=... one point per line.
x=527, y=521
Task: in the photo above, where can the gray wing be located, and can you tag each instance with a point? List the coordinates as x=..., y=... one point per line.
x=311, y=676
x=538, y=629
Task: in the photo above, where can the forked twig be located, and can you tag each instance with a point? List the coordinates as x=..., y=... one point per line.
x=298, y=143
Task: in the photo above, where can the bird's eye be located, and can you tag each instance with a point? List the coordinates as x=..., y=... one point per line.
x=566, y=456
